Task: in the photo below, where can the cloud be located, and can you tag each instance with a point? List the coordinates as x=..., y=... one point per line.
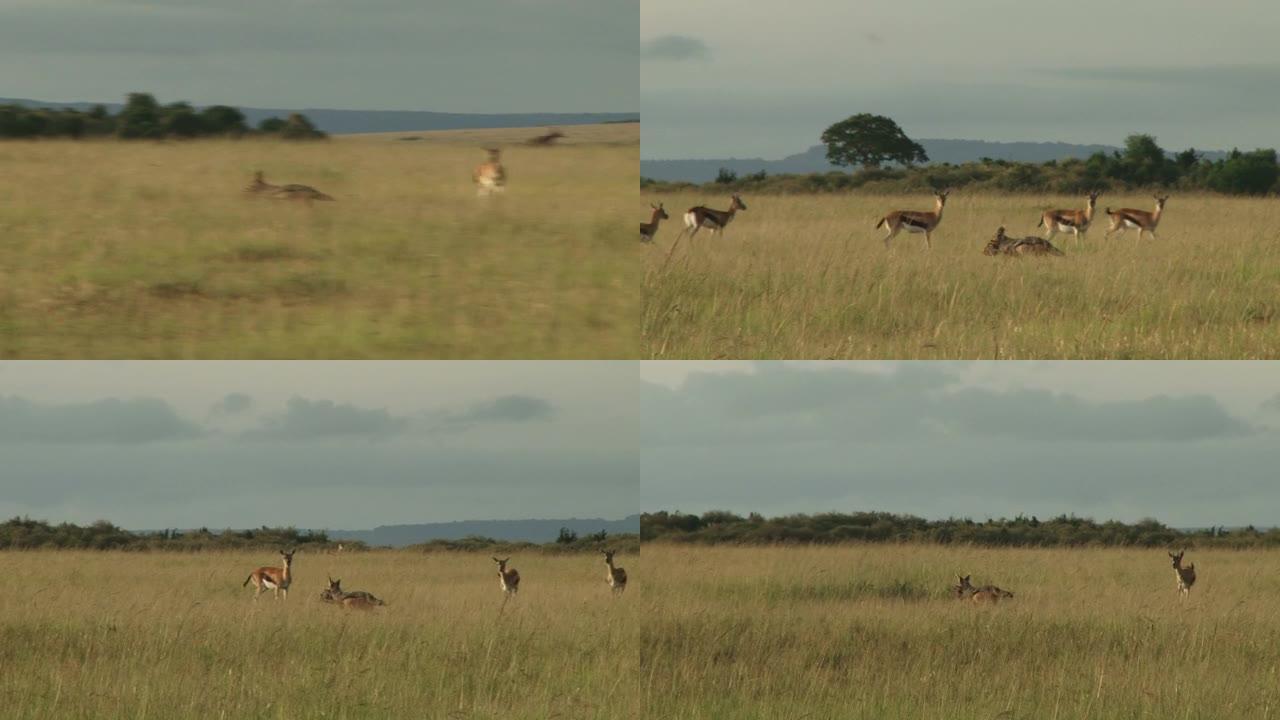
x=920, y=438
x=112, y=420
x=231, y=404
x=1043, y=416
x=1253, y=75
x=305, y=419
x=783, y=404
x=508, y=408
x=675, y=47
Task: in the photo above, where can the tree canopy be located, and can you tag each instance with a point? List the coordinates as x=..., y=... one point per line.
x=870, y=141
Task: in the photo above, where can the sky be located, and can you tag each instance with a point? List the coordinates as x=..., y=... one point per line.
x=724, y=79
x=474, y=56
x=1191, y=444
x=337, y=445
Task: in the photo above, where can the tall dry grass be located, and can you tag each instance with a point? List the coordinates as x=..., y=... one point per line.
x=871, y=632
x=161, y=635
x=808, y=277
x=149, y=250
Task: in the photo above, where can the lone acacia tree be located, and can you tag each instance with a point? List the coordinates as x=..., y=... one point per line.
x=870, y=140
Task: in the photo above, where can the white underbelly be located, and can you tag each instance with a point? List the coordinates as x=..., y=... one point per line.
x=1131, y=224
x=912, y=228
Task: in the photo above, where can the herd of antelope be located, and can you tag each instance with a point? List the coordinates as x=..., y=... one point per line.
x=279, y=579
x=990, y=594
x=922, y=222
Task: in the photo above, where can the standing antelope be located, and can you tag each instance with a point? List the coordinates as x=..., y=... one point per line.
x=259, y=186
x=1072, y=221
x=276, y=579
x=490, y=177
x=509, y=579
x=702, y=216
x=915, y=221
x=1146, y=222
x=1186, y=575
x=617, y=576
x=649, y=229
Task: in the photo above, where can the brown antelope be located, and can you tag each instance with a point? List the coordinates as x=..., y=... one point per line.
x=701, y=216
x=915, y=221
x=276, y=579
x=1002, y=244
x=1186, y=576
x=490, y=177
x=509, y=579
x=356, y=600
x=262, y=188
x=617, y=576
x=1146, y=222
x=1072, y=221
x=979, y=595
x=649, y=229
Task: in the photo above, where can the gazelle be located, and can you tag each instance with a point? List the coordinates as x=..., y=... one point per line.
x=1072, y=221
x=261, y=187
x=276, y=579
x=509, y=579
x=914, y=221
x=617, y=576
x=1146, y=222
x=490, y=177
x=1002, y=244
x=356, y=600
x=696, y=218
x=649, y=229
x=1186, y=575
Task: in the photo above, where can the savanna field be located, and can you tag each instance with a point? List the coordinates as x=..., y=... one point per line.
x=165, y=635
x=871, y=632
x=115, y=249
x=807, y=277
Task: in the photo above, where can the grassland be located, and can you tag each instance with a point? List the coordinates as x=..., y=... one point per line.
x=160, y=635
x=869, y=632
x=808, y=277
x=149, y=250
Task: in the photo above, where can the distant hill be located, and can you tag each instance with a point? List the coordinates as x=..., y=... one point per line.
x=371, y=121
x=538, y=531
x=814, y=159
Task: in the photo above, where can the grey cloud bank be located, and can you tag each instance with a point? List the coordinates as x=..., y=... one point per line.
x=478, y=56
x=926, y=439
x=316, y=444
x=1200, y=75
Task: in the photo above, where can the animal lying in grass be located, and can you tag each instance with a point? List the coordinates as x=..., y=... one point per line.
x=355, y=600
x=985, y=594
x=261, y=188
x=1002, y=244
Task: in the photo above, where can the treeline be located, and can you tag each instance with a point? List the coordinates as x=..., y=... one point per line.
x=143, y=118
x=22, y=533
x=623, y=543
x=873, y=527
x=27, y=534
x=1141, y=165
